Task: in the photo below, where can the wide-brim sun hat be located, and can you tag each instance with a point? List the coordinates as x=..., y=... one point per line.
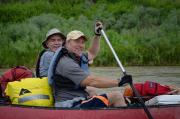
x=53, y=32
x=75, y=34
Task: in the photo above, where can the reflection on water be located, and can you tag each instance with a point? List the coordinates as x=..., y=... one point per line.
x=169, y=75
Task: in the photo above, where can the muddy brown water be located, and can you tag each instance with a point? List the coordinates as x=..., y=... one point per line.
x=169, y=75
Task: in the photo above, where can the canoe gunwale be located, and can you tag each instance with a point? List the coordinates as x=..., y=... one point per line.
x=111, y=108
x=33, y=112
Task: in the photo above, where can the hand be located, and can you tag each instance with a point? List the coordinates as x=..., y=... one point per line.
x=92, y=91
x=97, y=28
x=125, y=79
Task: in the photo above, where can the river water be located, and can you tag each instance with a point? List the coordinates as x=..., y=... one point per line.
x=163, y=74
x=169, y=75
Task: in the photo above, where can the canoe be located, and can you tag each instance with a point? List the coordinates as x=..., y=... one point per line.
x=31, y=112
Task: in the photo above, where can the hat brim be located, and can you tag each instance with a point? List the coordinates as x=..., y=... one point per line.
x=44, y=42
x=77, y=38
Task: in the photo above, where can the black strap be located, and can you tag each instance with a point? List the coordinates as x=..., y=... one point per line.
x=1, y=82
x=74, y=57
x=13, y=74
x=61, y=53
x=142, y=88
x=141, y=101
x=38, y=62
x=0, y=91
x=156, y=89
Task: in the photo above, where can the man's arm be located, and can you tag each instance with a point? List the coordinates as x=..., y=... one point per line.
x=94, y=49
x=99, y=82
x=95, y=45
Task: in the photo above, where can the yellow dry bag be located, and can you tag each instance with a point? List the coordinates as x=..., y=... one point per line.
x=30, y=91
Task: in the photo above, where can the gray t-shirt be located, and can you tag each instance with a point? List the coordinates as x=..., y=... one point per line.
x=68, y=68
x=45, y=62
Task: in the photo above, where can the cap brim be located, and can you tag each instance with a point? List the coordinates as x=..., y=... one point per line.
x=83, y=37
x=78, y=38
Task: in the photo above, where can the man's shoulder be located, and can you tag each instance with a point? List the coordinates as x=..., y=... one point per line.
x=66, y=60
x=48, y=53
x=67, y=63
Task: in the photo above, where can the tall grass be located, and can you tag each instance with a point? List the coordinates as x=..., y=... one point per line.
x=141, y=32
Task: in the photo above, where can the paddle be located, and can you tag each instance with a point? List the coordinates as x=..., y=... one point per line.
x=127, y=78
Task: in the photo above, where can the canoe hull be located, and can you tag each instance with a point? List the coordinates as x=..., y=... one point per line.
x=20, y=112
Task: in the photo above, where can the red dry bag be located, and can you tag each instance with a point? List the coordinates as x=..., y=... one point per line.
x=14, y=74
x=151, y=88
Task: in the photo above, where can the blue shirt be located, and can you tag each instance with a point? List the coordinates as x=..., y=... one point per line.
x=45, y=62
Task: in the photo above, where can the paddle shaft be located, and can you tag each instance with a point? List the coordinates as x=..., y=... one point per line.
x=141, y=101
x=114, y=53
x=124, y=72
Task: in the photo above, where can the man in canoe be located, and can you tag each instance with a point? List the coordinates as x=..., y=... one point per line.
x=70, y=79
x=54, y=39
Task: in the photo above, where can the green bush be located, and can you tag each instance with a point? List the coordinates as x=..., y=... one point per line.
x=142, y=32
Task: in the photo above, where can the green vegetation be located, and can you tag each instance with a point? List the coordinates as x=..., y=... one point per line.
x=143, y=32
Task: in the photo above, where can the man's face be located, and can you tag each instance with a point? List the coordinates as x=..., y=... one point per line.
x=76, y=46
x=54, y=42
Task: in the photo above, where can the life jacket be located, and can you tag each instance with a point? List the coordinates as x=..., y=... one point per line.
x=38, y=63
x=148, y=88
x=83, y=63
x=14, y=74
x=63, y=82
x=30, y=91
